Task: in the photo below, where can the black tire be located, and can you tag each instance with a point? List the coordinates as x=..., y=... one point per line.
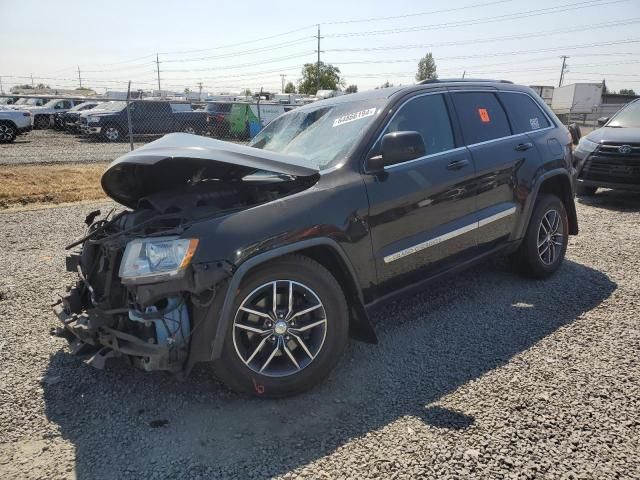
x=529, y=259
x=41, y=122
x=188, y=128
x=239, y=376
x=111, y=133
x=8, y=132
x=585, y=191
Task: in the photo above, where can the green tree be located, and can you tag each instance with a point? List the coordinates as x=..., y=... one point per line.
x=426, y=68
x=385, y=85
x=330, y=78
x=352, y=89
x=627, y=91
x=187, y=91
x=246, y=92
x=289, y=88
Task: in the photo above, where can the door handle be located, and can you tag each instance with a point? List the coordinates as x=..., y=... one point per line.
x=521, y=147
x=458, y=164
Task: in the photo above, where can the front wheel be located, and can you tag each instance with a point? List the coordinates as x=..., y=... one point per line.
x=545, y=243
x=111, y=133
x=289, y=329
x=41, y=122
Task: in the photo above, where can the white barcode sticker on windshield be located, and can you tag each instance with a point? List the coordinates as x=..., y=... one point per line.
x=352, y=117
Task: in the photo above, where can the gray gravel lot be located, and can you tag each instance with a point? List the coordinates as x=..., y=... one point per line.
x=484, y=375
x=52, y=146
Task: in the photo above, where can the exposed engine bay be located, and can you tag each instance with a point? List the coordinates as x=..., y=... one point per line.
x=130, y=299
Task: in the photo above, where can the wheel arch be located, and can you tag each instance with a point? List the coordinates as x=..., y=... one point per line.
x=11, y=123
x=556, y=182
x=326, y=252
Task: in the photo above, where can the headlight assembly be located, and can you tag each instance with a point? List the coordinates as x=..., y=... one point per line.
x=156, y=258
x=587, y=146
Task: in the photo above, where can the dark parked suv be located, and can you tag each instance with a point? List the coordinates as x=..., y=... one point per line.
x=609, y=157
x=264, y=259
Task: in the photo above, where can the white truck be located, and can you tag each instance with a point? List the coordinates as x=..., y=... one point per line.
x=43, y=115
x=577, y=98
x=13, y=123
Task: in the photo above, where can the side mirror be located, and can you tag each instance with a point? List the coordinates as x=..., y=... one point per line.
x=397, y=147
x=602, y=121
x=576, y=134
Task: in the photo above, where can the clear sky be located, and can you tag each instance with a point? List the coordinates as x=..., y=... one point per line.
x=225, y=45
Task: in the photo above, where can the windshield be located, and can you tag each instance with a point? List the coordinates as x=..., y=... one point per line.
x=83, y=106
x=112, y=106
x=628, y=117
x=322, y=135
x=35, y=101
x=21, y=101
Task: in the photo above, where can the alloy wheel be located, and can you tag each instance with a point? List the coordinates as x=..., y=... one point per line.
x=279, y=328
x=7, y=133
x=550, y=237
x=111, y=133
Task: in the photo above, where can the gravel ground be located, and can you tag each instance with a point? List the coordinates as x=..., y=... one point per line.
x=484, y=375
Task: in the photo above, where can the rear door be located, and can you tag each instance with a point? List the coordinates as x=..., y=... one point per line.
x=501, y=156
x=421, y=214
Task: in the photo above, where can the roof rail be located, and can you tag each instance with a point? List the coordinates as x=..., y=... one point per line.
x=456, y=80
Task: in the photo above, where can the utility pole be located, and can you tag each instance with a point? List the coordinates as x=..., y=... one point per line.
x=158, y=70
x=1, y=89
x=79, y=77
x=318, y=64
x=199, y=91
x=464, y=73
x=32, y=81
x=282, y=77
x=564, y=67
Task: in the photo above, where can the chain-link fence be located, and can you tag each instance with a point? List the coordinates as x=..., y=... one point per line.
x=40, y=129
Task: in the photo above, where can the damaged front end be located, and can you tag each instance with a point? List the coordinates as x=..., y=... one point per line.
x=146, y=290
x=136, y=294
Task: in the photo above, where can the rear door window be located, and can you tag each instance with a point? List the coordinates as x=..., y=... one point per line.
x=482, y=118
x=525, y=114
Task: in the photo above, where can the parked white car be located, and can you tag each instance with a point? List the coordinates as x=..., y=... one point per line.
x=13, y=123
x=43, y=116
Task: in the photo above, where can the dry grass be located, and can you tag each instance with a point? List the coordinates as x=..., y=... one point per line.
x=27, y=184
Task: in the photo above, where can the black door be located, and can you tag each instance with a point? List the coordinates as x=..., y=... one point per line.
x=421, y=211
x=501, y=155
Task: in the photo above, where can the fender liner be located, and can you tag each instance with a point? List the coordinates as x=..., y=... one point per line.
x=533, y=196
x=234, y=283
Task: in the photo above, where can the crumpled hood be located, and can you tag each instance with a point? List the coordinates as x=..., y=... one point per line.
x=178, y=158
x=615, y=135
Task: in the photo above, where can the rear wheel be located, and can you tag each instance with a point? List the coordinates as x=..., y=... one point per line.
x=584, y=190
x=545, y=243
x=7, y=132
x=289, y=329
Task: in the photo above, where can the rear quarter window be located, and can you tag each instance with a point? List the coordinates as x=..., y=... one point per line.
x=525, y=114
x=481, y=116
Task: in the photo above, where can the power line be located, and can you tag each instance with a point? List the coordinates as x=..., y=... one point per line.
x=417, y=14
x=616, y=24
x=483, y=20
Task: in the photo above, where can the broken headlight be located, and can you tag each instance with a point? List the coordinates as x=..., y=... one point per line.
x=156, y=258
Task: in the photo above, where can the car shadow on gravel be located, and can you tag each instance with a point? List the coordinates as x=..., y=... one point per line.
x=617, y=200
x=127, y=423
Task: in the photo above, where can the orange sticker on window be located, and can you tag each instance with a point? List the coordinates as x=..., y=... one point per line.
x=484, y=115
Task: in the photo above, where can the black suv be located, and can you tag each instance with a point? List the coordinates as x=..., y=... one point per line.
x=609, y=157
x=264, y=259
